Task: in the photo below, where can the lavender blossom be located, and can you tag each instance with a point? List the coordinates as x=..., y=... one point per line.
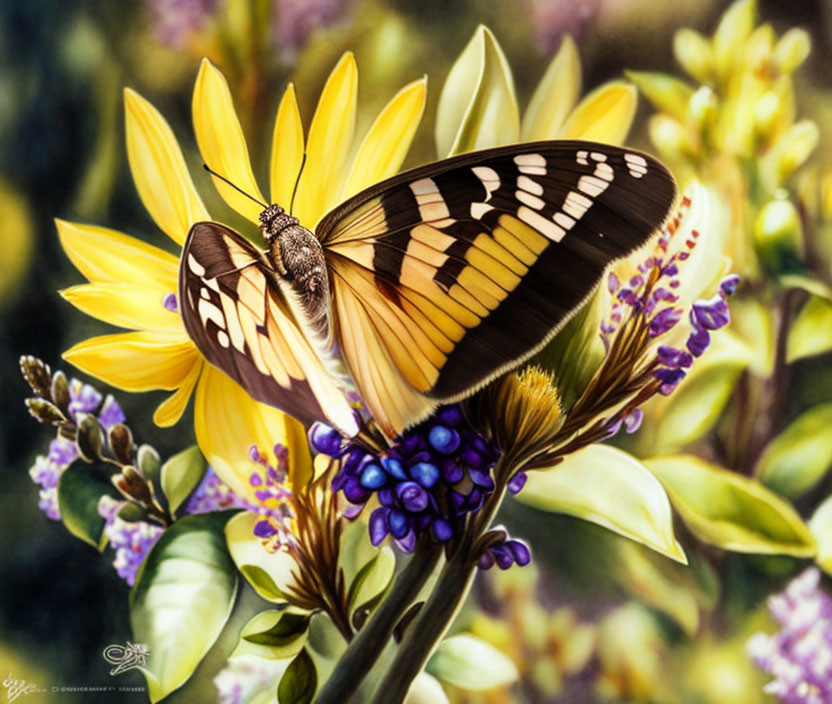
x=799, y=656
x=130, y=540
x=296, y=20
x=176, y=20
x=505, y=553
x=213, y=494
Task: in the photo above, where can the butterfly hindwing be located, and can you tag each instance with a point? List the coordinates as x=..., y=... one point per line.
x=461, y=269
x=236, y=314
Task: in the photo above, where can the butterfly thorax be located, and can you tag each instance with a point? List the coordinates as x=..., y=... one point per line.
x=298, y=257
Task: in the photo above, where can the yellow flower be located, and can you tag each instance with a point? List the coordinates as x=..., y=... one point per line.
x=129, y=279
x=478, y=107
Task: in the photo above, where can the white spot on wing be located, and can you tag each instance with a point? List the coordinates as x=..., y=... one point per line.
x=598, y=156
x=529, y=199
x=581, y=158
x=423, y=186
x=538, y=222
x=636, y=165
x=529, y=185
x=531, y=164
x=208, y=311
x=489, y=178
x=576, y=204
x=222, y=338
x=563, y=220
x=592, y=186
x=195, y=266
x=480, y=209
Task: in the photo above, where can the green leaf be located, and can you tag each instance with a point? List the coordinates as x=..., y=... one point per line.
x=821, y=526
x=477, y=107
x=275, y=634
x=731, y=511
x=555, y=95
x=299, y=682
x=269, y=574
x=426, y=689
x=576, y=352
x=372, y=579
x=611, y=488
x=806, y=283
x=811, y=331
x=470, y=663
x=80, y=488
x=798, y=458
x=667, y=94
x=183, y=596
x=181, y=474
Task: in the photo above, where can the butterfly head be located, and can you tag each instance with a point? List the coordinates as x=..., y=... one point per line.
x=273, y=220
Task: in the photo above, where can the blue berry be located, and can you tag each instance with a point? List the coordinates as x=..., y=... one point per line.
x=443, y=439
x=425, y=473
x=413, y=497
x=394, y=468
x=373, y=477
x=324, y=439
x=399, y=525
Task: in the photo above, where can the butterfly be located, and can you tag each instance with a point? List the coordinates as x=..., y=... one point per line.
x=422, y=288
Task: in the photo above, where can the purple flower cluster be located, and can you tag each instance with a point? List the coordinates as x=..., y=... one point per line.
x=505, y=553
x=274, y=498
x=428, y=480
x=246, y=678
x=176, y=20
x=213, y=494
x=47, y=469
x=296, y=20
x=130, y=540
x=799, y=656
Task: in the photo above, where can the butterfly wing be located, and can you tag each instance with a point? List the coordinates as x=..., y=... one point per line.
x=450, y=274
x=236, y=314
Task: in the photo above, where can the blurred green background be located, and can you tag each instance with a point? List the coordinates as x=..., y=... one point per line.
x=63, y=64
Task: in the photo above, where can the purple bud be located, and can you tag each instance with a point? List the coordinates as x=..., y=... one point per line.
x=520, y=552
x=169, y=302
x=399, y=525
x=442, y=530
x=451, y=471
x=413, y=497
x=632, y=421
x=386, y=496
x=711, y=314
x=517, y=482
x=355, y=458
x=254, y=454
x=663, y=321
x=481, y=478
x=394, y=468
x=698, y=341
x=255, y=479
x=502, y=556
x=669, y=376
x=451, y=416
x=472, y=458
x=373, y=477
x=407, y=543
x=672, y=357
x=444, y=440
x=425, y=473
x=613, y=283
x=486, y=561
x=729, y=284
x=378, y=525
x=324, y=439
x=670, y=270
x=264, y=529
x=354, y=493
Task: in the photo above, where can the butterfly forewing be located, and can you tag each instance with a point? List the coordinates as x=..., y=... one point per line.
x=461, y=269
x=236, y=314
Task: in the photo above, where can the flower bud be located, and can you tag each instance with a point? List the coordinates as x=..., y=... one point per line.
x=670, y=137
x=90, y=437
x=148, y=462
x=121, y=442
x=37, y=375
x=694, y=54
x=792, y=50
x=702, y=107
x=778, y=236
x=795, y=147
x=766, y=114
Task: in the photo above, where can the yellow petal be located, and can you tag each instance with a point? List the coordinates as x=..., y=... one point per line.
x=221, y=140
x=330, y=138
x=287, y=149
x=107, y=256
x=555, y=95
x=159, y=170
x=171, y=409
x=228, y=422
x=136, y=361
x=605, y=115
x=388, y=140
x=131, y=306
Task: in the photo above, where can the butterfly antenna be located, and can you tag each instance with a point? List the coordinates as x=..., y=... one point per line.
x=234, y=186
x=297, y=181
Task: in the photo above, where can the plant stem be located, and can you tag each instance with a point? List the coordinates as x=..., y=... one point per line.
x=450, y=591
x=371, y=640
